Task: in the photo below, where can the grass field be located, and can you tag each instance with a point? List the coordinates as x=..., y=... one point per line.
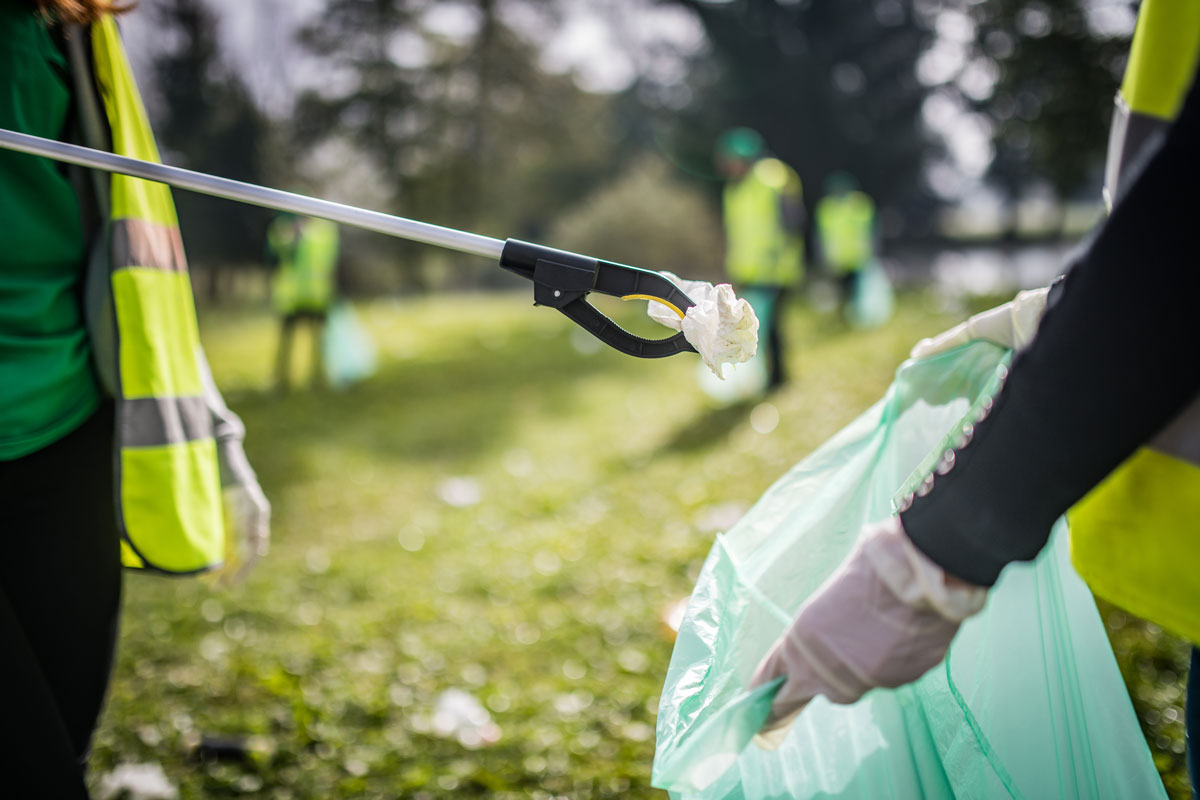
x=502, y=510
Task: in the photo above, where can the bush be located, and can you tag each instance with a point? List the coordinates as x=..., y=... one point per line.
x=646, y=218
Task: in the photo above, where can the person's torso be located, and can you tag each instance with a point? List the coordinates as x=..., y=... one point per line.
x=845, y=226
x=307, y=255
x=47, y=385
x=758, y=246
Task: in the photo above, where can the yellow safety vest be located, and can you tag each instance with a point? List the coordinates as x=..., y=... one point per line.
x=145, y=340
x=1134, y=537
x=846, y=231
x=759, y=248
x=307, y=250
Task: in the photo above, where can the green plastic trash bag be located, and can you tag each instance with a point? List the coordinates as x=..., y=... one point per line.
x=347, y=350
x=1028, y=703
x=873, y=300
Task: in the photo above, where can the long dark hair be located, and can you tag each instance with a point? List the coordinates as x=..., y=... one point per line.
x=80, y=11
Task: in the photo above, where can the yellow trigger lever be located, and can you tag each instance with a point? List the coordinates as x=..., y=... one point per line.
x=654, y=299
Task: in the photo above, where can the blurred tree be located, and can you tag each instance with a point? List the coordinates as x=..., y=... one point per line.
x=1052, y=68
x=450, y=118
x=208, y=122
x=456, y=118
x=646, y=216
x=831, y=86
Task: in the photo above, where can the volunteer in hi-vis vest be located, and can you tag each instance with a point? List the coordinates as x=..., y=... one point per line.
x=845, y=222
x=305, y=251
x=114, y=444
x=764, y=249
x=1097, y=419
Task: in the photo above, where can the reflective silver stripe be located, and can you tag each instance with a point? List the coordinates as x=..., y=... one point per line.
x=156, y=421
x=1130, y=132
x=1181, y=438
x=139, y=243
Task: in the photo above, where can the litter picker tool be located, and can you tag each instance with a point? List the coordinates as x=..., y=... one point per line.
x=561, y=279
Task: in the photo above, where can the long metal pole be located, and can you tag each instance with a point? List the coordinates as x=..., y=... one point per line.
x=255, y=195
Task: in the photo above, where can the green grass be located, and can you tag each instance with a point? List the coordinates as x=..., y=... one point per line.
x=599, y=477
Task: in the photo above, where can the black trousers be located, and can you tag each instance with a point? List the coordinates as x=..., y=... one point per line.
x=60, y=594
x=770, y=332
x=847, y=288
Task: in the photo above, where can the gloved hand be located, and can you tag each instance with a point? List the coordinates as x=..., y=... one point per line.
x=721, y=326
x=248, y=528
x=1012, y=325
x=246, y=509
x=884, y=618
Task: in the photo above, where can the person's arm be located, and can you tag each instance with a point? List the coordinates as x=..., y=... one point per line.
x=249, y=511
x=1114, y=360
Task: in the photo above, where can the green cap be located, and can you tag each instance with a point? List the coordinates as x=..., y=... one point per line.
x=740, y=143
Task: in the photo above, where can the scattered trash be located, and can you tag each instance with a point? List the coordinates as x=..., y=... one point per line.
x=460, y=492
x=136, y=782
x=459, y=715
x=633, y=660
x=721, y=517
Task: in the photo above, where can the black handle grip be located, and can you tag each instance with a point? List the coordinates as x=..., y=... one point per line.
x=616, y=337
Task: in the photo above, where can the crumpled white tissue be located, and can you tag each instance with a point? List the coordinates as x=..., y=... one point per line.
x=721, y=326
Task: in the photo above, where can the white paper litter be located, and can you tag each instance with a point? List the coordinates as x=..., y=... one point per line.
x=721, y=326
x=458, y=715
x=137, y=782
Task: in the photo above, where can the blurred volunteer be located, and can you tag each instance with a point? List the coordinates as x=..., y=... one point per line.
x=114, y=442
x=845, y=222
x=764, y=247
x=302, y=289
x=1100, y=414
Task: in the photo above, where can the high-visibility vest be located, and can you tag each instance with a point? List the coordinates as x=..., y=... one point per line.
x=307, y=250
x=759, y=247
x=846, y=231
x=145, y=340
x=1134, y=536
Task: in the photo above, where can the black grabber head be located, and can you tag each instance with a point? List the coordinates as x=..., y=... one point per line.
x=562, y=280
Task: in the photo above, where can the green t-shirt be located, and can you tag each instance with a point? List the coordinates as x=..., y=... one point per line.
x=47, y=386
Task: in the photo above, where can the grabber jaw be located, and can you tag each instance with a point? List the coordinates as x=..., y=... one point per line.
x=562, y=280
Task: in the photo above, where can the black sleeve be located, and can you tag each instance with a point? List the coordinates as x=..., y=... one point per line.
x=1117, y=356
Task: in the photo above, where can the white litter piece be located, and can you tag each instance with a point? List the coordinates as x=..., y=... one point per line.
x=721, y=326
x=460, y=492
x=459, y=715
x=137, y=782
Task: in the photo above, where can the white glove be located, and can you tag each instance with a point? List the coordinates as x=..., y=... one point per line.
x=247, y=510
x=248, y=526
x=884, y=618
x=721, y=326
x=1012, y=325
